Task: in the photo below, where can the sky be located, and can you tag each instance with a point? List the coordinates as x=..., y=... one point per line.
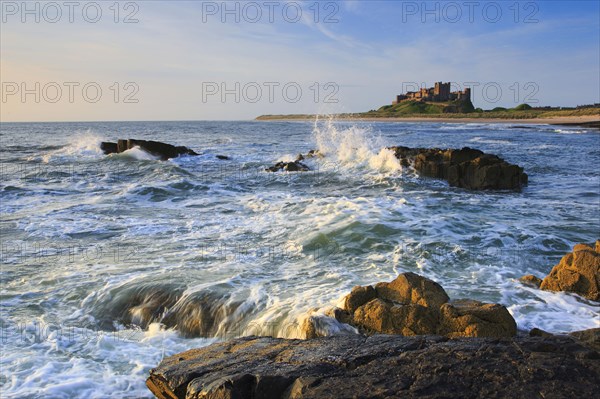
x=194, y=60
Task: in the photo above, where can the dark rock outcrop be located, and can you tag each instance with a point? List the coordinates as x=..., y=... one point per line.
x=467, y=168
x=109, y=148
x=295, y=166
x=415, y=305
x=381, y=366
x=162, y=150
x=577, y=272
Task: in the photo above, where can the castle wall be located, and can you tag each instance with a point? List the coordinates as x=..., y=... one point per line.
x=440, y=92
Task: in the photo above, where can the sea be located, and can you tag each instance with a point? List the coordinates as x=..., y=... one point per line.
x=109, y=263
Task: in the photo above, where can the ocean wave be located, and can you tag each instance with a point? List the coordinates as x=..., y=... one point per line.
x=354, y=147
x=80, y=146
x=490, y=141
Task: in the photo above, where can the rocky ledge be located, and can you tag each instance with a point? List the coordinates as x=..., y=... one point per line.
x=162, y=150
x=466, y=168
x=577, y=272
x=383, y=366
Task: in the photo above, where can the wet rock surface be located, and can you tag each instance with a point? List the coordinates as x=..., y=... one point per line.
x=466, y=168
x=163, y=150
x=531, y=281
x=295, y=166
x=210, y=312
x=381, y=366
x=415, y=305
x=577, y=272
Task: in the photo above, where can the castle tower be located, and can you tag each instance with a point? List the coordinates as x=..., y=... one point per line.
x=436, y=89
x=467, y=93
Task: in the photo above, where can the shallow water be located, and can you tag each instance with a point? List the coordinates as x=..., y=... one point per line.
x=110, y=263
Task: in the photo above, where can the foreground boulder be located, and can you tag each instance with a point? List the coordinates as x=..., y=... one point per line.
x=577, y=272
x=467, y=167
x=415, y=305
x=162, y=150
x=381, y=366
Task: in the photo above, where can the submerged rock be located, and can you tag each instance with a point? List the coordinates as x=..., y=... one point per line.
x=415, y=305
x=210, y=312
x=577, y=272
x=162, y=150
x=467, y=167
x=381, y=366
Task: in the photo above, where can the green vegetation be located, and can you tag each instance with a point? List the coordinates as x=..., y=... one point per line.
x=522, y=107
x=413, y=107
x=418, y=109
x=409, y=108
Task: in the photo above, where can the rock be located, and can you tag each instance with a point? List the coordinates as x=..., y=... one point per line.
x=577, y=272
x=379, y=316
x=322, y=325
x=122, y=146
x=412, y=288
x=467, y=167
x=108, y=148
x=358, y=297
x=380, y=366
x=163, y=150
x=469, y=318
x=590, y=338
x=314, y=153
x=415, y=305
x=536, y=332
x=295, y=166
x=223, y=157
x=531, y=280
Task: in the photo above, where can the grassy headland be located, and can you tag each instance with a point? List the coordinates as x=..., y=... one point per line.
x=453, y=110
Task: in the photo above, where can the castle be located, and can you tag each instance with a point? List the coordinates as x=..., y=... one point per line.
x=439, y=93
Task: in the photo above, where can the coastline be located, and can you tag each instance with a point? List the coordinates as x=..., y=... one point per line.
x=562, y=120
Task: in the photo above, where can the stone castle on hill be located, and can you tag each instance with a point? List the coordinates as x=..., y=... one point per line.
x=439, y=93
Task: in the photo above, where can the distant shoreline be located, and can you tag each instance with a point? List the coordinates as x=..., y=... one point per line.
x=562, y=120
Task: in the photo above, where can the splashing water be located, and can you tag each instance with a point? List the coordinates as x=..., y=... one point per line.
x=84, y=145
x=354, y=146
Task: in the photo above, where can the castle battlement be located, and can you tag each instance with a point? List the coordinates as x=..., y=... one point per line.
x=439, y=93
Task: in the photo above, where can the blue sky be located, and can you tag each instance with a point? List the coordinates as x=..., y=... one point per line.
x=177, y=59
